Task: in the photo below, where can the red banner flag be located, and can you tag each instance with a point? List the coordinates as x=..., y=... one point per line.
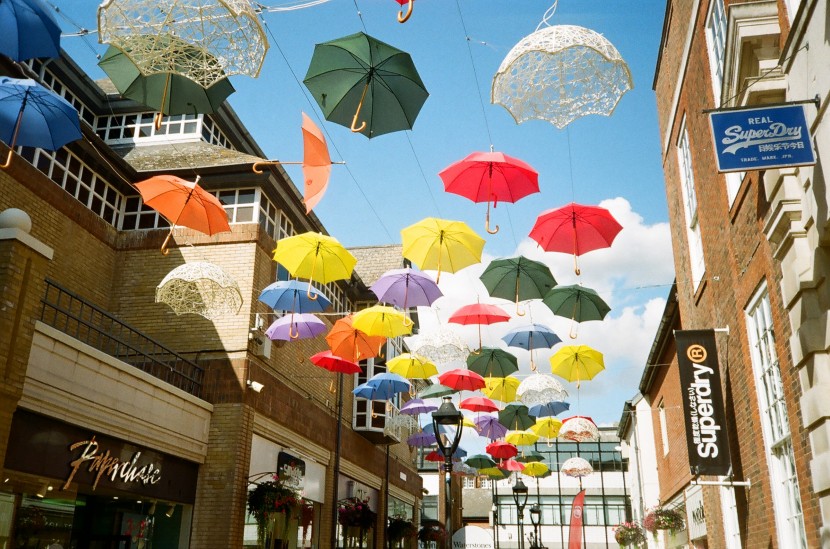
x=575, y=536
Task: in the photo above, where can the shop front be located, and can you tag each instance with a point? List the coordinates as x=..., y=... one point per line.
x=357, y=514
x=67, y=486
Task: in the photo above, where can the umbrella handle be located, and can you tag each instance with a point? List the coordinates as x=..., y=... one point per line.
x=573, y=331
x=257, y=167
x=312, y=297
x=487, y=221
x=164, y=246
x=157, y=120
x=404, y=17
x=293, y=334
x=8, y=161
x=519, y=312
x=332, y=390
x=354, y=126
x=577, y=270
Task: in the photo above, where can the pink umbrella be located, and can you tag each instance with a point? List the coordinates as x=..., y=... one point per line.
x=479, y=313
x=511, y=465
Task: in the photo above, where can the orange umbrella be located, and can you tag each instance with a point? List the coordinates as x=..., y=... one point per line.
x=184, y=203
x=347, y=341
x=316, y=163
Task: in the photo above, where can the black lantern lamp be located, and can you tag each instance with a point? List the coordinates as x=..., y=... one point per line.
x=536, y=519
x=448, y=415
x=520, y=499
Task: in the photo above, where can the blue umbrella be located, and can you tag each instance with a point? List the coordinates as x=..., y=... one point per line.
x=292, y=295
x=28, y=30
x=382, y=387
x=532, y=336
x=548, y=409
x=32, y=116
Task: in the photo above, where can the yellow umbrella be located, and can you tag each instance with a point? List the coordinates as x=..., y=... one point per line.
x=492, y=472
x=442, y=245
x=535, y=469
x=501, y=388
x=521, y=438
x=467, y=422
x=412, y=366
x=382, y=320
x=547, y=427
x=577, y=363
x=316, y=257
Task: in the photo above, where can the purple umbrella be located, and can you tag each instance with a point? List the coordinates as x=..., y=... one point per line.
x=421, y=439
x=417, y=406
x=489, y=427
x=406, y=288
x=295, y=326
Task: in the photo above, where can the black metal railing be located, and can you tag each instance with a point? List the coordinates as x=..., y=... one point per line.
x=74, y=316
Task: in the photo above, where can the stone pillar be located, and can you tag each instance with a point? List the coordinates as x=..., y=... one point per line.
x=23, y=265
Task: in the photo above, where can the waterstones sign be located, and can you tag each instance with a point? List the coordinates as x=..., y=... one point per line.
x=706, y=438
x=761, y=138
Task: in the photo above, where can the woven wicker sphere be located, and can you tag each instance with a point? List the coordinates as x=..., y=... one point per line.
x=561, y=73
x=201, y=288
x=540, y=389
x=579, y=429
x=576, y=467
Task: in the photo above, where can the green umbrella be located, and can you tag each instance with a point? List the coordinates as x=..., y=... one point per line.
x=358, y=73
x=577, y=303
x=516, y=416
x=517, y=279
x=530, y=457
x=480, y=461
x=167, y=93
x=493, y=362
x=435, y=391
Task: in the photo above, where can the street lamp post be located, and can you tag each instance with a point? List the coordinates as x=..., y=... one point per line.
x=520, y=499
x=536, y=519
x=448, y=415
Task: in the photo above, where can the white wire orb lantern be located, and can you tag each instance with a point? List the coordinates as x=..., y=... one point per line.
x=576, y=467
x=561, y=73
x=201, y=288
x=204, y=40
x=579, y=429
x=537, y=389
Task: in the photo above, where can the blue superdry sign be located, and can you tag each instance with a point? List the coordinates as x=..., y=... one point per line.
x=761, y=138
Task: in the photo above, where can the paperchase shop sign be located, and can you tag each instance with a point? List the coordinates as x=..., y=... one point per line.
x=472, y=537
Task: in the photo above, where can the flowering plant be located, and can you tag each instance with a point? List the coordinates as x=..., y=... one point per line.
x=356, y=512
x=432, y=530
x=629, y=533
x=400, y=529
x=271, y=496
x=662, y=518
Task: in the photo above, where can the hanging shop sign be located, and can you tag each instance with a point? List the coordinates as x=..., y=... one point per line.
x=705, y=420
x=761, y=138
x=291, y=471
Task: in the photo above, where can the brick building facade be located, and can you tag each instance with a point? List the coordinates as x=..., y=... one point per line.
x=87, y=353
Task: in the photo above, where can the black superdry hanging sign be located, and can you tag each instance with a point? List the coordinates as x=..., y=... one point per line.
x=706, y=437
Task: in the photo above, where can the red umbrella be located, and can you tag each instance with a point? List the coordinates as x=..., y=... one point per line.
x=346, y=340
x=478, y=404
x=462, y=379
x=501, y=450
x=334, y=363
x=404, y=17
x=575, y=229
x=434, y=456
x=490, y=177
x=511, y=465
x=479, y=313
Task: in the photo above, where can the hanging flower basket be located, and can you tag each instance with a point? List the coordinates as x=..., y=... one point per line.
x=354, y=512
x=629, y=533
x=662, y=518
x=276, y=509
x=400, y=529
x=432, y=531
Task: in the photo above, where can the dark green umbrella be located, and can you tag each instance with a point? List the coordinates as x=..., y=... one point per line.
x=435, y=391
x=577, y=303
x=493, y=362
x=358, y=77
x=516, y=416
x=529, y=457
x=480, y=461
x=517, y=279
x=167, y=93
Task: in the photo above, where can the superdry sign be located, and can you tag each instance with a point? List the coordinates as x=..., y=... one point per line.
x=706, y=437
x=761, y=138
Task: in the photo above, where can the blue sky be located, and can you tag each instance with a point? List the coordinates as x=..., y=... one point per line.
x=391, y=181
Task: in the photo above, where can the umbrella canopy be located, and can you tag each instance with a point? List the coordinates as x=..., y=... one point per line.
x=530, y=457
x=434, y=456
x=358, y=77
x=436, y=391
x=292, y=295
x=517, y=279
x=32, y=116
x=480, y=461
x=295, y=326
x=420, y=440
x=28, y=30
x=511, y=465
x=516, y=416
x=501, y=450
x=412, y=366
x=461, y=379
x=479, y=313
x=501, y=388
x=535, y=469
x=201, y=288
x=489, y=427
x=334, y=363
x=167, y=93
x=579, y=429
x=577, y=303
x=577, y=363
x=493, y=362
x=315, y=256
x=478, y=404
x=406, y=288
x=521, y=438
x=382, y=386
x=417, y=406
x=382, y=320
x=547, y=427
x=493, y=472
x=576, y=467
x=442, y=347
x=490, y=177
x=548, y=409
x=531, y=337
x=347, y=341
x=441, y=245
x=575, y=229
x=539, y=389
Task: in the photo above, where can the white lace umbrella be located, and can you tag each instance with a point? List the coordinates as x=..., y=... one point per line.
x=539, y=388
x=201, y=288
x=576, y=467
x=401, y=426
x=441, y=347
x=226, y=36
x=560, y=73
x=579, y=429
